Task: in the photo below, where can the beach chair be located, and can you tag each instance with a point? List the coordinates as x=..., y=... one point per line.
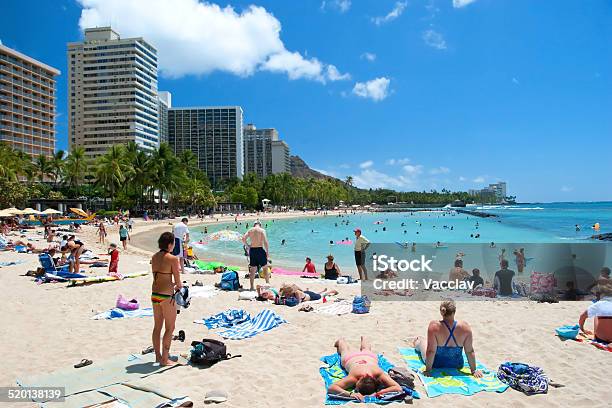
x=49, y=266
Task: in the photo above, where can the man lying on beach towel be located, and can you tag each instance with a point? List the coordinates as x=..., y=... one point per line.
x=364, y=375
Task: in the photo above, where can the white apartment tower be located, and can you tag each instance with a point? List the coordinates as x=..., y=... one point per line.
x=112, y=92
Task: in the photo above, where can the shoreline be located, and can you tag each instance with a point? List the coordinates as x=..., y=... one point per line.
x=145, y=240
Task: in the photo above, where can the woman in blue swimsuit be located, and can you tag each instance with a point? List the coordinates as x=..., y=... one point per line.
x=447, y=339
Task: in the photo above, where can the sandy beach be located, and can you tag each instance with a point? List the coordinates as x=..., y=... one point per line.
x=49, y=327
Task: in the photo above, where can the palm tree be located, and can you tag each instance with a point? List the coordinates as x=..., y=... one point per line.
x=75, y=168
x=166, y=174
x=111, y=169
x=57, y=166
x=348, y=181
x=43, y=167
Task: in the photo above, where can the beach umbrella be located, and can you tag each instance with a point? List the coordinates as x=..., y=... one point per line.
x=13, y=211
x=80, y=212
x=50, y=211
x=29, y=211
x=225, y=236
x=6, y=213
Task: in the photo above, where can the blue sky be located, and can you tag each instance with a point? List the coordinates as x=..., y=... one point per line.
x=415, y=94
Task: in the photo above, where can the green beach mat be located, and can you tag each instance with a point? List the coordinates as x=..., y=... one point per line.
x=212, y=265
x=452, y=380
x=98, y=375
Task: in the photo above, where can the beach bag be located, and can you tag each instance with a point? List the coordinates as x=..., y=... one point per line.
x=361, y=304
x=208, y=352
x=290, y=301
x=522, y=377
x=542, y=283
x=402, y=376
x=229, y=281
x=124, y=304
x=568, y=331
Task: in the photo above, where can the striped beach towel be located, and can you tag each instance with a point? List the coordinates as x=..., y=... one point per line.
x=334, y=309
x=229, y=318
x=264, y=321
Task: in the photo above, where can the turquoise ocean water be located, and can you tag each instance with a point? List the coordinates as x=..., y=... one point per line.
x=528, y=223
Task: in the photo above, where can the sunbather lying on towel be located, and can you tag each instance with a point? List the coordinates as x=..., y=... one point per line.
x=364, y=374
x=446, y=341
x=286, y=290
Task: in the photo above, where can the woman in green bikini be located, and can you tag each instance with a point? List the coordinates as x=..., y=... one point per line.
x=166, y=281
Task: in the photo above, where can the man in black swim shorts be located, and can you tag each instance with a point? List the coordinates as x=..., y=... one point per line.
x=259, y=250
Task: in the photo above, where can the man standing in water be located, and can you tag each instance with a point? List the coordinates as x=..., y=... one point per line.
x=361, y=244
x=259, y=251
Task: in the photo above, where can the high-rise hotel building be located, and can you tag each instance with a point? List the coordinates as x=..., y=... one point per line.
x=264, y=153
x=214, y=134
x=112, y=92
x=27, y=103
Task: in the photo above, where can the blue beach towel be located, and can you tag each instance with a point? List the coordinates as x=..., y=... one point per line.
x=333, y=372
x=117, y=313
x=225, y=319
x=264, y=321
x=452, y=380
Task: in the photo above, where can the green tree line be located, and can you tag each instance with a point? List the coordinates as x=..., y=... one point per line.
x=127, y=177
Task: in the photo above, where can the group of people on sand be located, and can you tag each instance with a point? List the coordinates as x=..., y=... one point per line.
x=446, y=341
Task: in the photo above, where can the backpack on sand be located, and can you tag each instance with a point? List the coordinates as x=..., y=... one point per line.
x=208, y=352
x=229, y=281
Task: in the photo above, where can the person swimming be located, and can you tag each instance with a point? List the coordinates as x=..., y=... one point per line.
x=364, y=374
x=446, y=341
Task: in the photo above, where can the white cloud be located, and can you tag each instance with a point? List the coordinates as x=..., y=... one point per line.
x=195, y=38
x=434, y=39
x=461, y=178
x=371, y=178
x=479, y=179
x=341, y=5
x=413, y=169
x=566, y=189
x=399, y=162
x=439, y=170
x=366, y=164
x=376, y=89
x=462, y=3
x=368, y=56
x=334, y=75
x=397, y=11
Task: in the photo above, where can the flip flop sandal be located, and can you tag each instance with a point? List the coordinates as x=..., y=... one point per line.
x=180, y=337
x=84, y=362
x=148, y=350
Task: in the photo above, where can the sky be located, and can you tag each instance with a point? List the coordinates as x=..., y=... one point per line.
x=409, y=95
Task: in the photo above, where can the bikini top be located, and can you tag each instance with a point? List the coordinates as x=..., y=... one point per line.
x=162, y=273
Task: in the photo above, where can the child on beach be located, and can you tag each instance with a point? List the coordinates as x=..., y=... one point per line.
x=309, y=267
x=113, y=266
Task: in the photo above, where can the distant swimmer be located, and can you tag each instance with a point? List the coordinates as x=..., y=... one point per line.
x=283, y=242
x=577, y=227
x=596, y=226
x=414, y=247
x=492, y=245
